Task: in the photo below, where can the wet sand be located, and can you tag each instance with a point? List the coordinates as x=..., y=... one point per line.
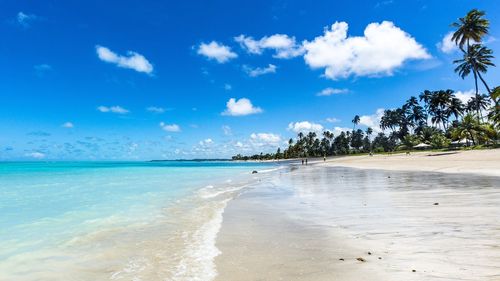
x=314, y=222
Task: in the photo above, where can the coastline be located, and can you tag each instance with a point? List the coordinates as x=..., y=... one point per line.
x=480, y=162
x=393, y=217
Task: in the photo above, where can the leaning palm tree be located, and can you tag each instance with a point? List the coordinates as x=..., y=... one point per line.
x=477, y=59
x=355, y=121
x=471, y=27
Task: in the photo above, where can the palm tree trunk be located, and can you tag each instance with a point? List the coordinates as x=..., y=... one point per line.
x=484, y=82
x=477, y=97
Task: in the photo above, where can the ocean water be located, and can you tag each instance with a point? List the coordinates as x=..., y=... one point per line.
x=115, y=220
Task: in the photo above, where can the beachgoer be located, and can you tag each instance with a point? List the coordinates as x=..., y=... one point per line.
x=306, y=161
x=302, y=161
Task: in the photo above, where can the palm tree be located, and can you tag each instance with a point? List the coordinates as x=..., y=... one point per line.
x=369, y=131
x=355, y=121
x=418, y=115
x=456, y=107
x=411, y=102
x=477, y=59
x=471, y=27
x=477, y=104
x=438, y=106
x=469, y=128
x=300, y=135
x=426, y=97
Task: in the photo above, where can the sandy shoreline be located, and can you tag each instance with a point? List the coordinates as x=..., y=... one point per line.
x=482, y=162
x=314, y=222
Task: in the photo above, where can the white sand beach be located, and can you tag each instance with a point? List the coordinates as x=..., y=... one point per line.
x=378, y=218
x=482, y=162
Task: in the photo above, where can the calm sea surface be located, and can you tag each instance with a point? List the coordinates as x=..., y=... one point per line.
x=114, y=220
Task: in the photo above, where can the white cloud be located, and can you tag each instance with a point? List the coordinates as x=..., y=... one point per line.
x=240, y=107
x=447, y=45
x=337, y=130
x=155, y=109
x=68, y=125
x=265, y=137
x=132, y=60
x=228, y=87
x=383, y=48
x=332, y=120
x=465, y=96
x=264, y=140
x=113, y=109
x=372, y=121
x=227, y=130
x=36, y=155
x=283, y=45
x=170, y=127
x=254, y=72
x=216, y=51
x=206, y=142
x=331, y=91
x=305, y=127
x=24, y=19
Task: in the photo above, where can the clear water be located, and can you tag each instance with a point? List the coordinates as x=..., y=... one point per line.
x=58, y=219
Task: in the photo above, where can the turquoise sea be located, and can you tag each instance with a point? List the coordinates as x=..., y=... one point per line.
x=115, y=220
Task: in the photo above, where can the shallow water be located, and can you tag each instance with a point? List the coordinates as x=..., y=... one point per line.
x=114, y=220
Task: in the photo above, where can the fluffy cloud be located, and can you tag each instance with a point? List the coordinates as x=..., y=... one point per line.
x=132, y=60
x=383, y=48
x=254, y=72
x=465, y=96
x=216, y=51
x=372, y=121
x=447, y=45
x=283, y=45
x=170, y=127
x=68, y=125
x=337, y=130
x=240, y=107
x=264, y=139
x=112, y=109
x=228, y=87
x=331, y=91
x=305, y=127
x=155, y=109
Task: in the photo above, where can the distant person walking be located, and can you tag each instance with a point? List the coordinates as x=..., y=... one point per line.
x=306, y=161
x=302, y=161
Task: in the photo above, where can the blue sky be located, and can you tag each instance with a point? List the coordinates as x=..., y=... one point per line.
x=102, y=80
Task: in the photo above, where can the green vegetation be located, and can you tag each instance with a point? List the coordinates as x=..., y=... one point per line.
x=437, y=118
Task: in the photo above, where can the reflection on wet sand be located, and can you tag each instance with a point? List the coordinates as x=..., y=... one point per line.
x=326, y=223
